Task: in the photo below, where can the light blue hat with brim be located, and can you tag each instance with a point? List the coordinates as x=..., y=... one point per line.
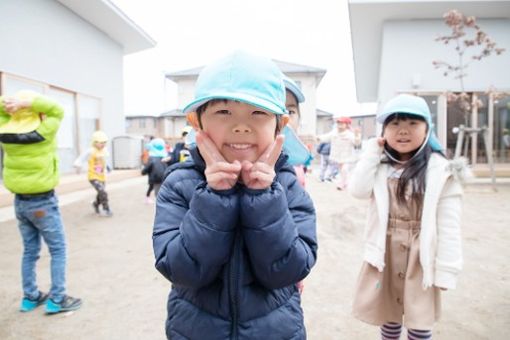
x=413, y=105
x=241, y=77
x=293, y=88
x=293, y=146
x=157, y=148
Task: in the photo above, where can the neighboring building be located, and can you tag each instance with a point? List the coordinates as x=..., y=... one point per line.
x=325, y=121
x=394, y=46
x=366, y=124
x=167, y=125
x=72, y=51
x=307, y=77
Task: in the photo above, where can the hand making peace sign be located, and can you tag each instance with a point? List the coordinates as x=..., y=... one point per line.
x=220, y=174
x=260, y=175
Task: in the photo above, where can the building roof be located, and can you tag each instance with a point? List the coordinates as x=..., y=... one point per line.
x=285, y=67
x=141, y=116
x=367, y=18
x=322, y=113
x=109, y=19
x=171, y=113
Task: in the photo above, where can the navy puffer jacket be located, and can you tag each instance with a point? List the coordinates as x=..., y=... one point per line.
x=233, y=257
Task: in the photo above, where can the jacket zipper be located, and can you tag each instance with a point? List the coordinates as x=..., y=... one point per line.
x=234, y=274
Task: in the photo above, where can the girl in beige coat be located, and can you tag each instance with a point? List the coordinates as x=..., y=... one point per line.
x=413, y=243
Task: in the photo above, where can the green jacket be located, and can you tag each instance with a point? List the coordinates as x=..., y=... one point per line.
x=30, y=160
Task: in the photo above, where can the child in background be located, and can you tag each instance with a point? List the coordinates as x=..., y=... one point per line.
x=294, y=96
x=29, y=123
x=96, y=158
x=234, y=232
x=324, y=149
x=341, y=155
x=180, y=153
x=413, y=242
x=146, y=147
x=155, y=167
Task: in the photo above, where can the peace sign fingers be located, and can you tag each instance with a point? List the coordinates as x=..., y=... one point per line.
x=270, y=156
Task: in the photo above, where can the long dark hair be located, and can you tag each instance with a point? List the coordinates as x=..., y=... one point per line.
x=415, y=169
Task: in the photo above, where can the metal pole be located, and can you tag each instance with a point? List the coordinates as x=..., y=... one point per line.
x=460, y=140
x=485, y=134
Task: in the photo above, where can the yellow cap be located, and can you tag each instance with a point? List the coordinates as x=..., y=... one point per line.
x=99, y=136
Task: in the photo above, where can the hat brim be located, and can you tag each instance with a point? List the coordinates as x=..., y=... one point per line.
x=294, y=90
x=383, y=116
x=242, y=97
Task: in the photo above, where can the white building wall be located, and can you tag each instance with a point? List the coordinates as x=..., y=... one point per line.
x=186, y=91
x=45, y=41
x=308, y=123
x=409, y=47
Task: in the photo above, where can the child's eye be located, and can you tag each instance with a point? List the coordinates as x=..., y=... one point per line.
x=223, y=112
x=259, y=113
x=292, y=112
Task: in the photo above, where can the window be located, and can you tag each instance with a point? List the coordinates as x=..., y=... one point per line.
x=141, y=123
x=89, y=111
x=501, y=134
x=66, y=135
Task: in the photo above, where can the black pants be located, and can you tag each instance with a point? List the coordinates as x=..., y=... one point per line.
x=102, y=196
x=151, y=186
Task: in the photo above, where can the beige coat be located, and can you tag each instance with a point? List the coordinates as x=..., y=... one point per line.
x=440, y=239
x=342, y=145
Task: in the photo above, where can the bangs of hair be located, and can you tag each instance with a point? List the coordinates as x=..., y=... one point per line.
x=202, y=107
x=402, y=116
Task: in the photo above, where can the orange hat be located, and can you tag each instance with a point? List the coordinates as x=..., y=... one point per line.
x=346, y=120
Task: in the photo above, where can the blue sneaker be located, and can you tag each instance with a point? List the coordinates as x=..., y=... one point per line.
x=28, y=305
x=67, y=304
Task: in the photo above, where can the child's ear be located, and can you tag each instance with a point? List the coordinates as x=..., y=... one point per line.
x=283, y=121
x=192, y=119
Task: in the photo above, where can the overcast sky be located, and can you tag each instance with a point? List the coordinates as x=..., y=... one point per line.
x=191, y=33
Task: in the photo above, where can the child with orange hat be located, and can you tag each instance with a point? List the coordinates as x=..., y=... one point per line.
x=341, y=157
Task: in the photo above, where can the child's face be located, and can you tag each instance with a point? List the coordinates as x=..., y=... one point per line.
x=342, y=126
x=405, y=135
x=292, y=105
x=99, y=145
x=240, y=131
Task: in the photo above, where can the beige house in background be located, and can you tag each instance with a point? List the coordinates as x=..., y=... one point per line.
x=307, y=78
x=167, y=125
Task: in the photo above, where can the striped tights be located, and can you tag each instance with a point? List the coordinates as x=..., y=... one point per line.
x=392, y=330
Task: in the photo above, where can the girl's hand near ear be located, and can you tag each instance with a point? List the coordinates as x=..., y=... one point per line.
x=260, y=175
x=220, y=174
x=381, y=141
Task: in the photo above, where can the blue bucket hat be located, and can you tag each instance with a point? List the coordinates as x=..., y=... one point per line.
x=413, y=105
x=157, y=148
x=293, y=88
x=242, y=77
x=298, y=153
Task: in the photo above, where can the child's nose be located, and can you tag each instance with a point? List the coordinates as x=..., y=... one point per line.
x=241, y=128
